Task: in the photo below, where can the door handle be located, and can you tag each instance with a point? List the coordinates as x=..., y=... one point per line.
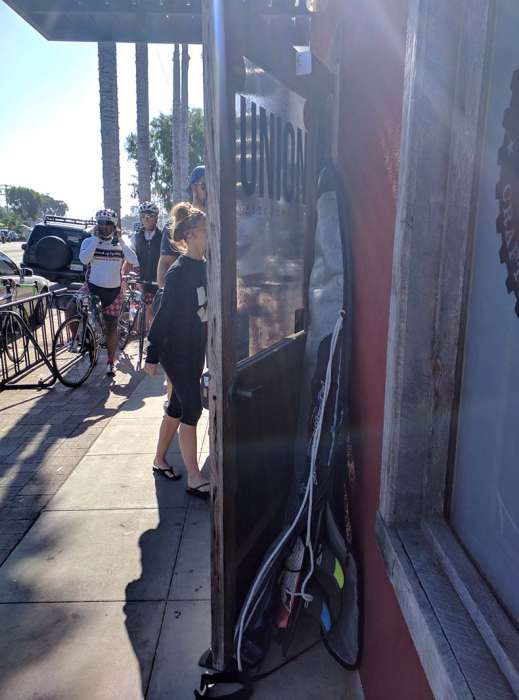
x=248, y=394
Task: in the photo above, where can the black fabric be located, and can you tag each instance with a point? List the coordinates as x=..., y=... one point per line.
x=178, y=331
x=157, y=300
x=185, y=402
x=107, y=294
x=148, y=254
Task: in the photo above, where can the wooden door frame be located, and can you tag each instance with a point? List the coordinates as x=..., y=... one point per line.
x=227, y=37
x=221, y=301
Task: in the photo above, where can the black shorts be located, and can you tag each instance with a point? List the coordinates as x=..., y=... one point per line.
x=107, y=294
x=185, y=402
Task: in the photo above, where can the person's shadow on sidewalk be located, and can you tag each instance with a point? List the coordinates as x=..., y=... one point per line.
x=146, y=597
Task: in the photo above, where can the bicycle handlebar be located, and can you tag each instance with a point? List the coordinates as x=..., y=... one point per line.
x=132, y=277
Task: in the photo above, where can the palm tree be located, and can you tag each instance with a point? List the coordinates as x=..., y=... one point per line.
x=109, y=111
x=184, y=119
x=143, y=120
x=176, y=192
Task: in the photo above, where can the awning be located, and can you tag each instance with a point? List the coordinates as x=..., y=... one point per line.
x=152, y=21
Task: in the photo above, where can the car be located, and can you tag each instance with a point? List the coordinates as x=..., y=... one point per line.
x=18, y=283
x=52, y=248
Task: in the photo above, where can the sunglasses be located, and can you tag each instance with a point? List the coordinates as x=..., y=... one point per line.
x=106, y=223
x=149, y=215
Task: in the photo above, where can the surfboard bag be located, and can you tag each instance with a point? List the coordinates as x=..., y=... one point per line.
x=274, y=599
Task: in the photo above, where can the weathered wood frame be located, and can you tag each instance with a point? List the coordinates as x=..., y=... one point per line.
x=220, y=164
x=227, y=37
x=467, y=645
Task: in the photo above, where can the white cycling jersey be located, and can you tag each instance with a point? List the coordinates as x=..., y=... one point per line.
x=105, y=260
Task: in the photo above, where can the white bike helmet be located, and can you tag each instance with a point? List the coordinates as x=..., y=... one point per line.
x=106, y=216
x=149, y=208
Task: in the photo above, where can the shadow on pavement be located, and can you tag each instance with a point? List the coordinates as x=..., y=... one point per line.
x=43, y=436
x=170, y=525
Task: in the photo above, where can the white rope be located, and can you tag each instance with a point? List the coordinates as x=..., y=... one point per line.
x=315, y=449
x=244, y=620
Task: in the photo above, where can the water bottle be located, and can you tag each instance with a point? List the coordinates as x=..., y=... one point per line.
x=132, y=312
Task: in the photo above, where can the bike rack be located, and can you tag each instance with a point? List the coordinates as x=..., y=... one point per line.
x=21, y=355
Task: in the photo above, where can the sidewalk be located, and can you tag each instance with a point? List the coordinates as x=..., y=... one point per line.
x=107, y=594
x=103, y=572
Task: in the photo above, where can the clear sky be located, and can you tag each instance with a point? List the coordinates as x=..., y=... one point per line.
x=49, y=121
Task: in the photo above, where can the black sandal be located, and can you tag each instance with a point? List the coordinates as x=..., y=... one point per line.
x=165, y=472
x=195, y=491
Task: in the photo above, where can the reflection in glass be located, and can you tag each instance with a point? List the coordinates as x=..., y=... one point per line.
x=271, y=208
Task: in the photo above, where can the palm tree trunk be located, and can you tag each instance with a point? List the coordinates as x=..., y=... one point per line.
x=176, y=192
x=184, y=138
x=143, y=123
x=109, y=111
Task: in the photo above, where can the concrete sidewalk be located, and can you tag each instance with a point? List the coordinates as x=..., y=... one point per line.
x=107, y=594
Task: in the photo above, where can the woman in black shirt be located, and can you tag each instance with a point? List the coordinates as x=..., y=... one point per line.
x=177, y=340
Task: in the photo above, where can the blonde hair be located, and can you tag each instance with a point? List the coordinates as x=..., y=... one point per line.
x=185, y=217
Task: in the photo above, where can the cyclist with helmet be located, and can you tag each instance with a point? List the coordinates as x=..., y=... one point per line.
x=104, y=254
x=197, y=191
x=147, y=245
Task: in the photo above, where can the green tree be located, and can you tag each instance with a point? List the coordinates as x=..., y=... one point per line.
x=10, y=220
x=30, y=205
x=161, y=152
x=49, y=205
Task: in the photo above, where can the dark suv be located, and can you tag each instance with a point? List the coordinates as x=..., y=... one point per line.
x=52, y=249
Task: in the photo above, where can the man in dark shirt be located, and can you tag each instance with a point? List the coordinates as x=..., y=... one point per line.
x=168, y=252
x=147, y=245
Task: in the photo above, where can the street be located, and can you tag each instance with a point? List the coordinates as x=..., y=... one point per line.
x=13, y=250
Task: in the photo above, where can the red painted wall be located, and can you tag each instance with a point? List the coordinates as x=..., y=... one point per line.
x=371, y=81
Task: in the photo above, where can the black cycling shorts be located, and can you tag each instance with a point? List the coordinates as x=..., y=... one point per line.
x=185, y=402
x=107, y=294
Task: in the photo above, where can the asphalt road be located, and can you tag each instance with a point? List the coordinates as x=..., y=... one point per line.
x=13, y=250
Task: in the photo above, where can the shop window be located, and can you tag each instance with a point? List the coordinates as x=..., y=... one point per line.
x=448, y=522
x=485, y=500
x=271, y=211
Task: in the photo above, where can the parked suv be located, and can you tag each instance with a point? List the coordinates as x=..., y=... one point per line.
x=52, y=249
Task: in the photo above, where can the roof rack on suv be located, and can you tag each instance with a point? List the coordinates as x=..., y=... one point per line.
x=67, y=220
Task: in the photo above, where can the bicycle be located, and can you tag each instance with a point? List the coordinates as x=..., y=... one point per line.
x=75, y=348
x=12, y=337
x=133, y=315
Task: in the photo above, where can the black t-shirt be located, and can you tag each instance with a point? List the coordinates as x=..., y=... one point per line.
x=179, y=329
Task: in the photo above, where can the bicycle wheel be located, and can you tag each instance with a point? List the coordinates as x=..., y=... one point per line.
x=123, y=325
x=14, y=340
x=96, y=321
x=74, y=351
x=142, y=335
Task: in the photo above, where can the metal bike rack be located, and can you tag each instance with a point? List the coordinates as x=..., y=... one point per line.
x=27, y=329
